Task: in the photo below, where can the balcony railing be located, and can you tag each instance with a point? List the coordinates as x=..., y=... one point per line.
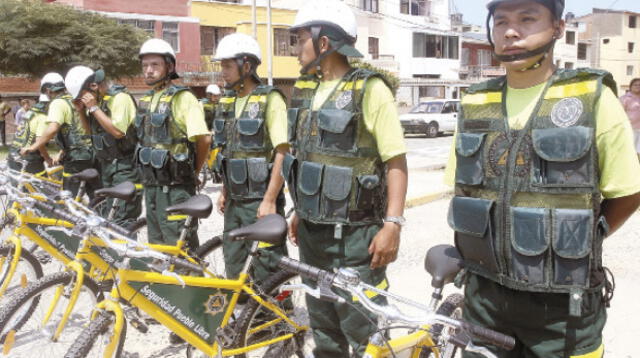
x=386, y=62
x=482, y=71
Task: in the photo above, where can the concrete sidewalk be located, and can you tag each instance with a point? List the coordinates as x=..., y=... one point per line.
x=426, y=185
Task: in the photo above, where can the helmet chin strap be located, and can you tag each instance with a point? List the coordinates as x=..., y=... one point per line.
x=315, y=36
x=240, y=62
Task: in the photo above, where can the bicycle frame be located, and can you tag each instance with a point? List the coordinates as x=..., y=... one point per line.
x=404, y=345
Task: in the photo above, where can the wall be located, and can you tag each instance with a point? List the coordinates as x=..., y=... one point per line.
x=153, y=7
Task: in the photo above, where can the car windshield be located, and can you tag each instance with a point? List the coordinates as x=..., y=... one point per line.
x=428, y=107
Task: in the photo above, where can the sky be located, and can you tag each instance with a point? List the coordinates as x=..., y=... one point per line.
x=475, y=12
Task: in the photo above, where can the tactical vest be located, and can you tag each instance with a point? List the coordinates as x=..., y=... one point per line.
x=209, y=111
x=337, y=176
x=164, y=154
x=24, y=137
x=72, y=138
x=527, y=208
x=246, y=146
x=106, y=146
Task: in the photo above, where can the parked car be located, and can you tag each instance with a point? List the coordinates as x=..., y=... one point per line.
x=431, y=117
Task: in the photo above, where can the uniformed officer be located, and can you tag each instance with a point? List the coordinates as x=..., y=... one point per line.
x=173, y=143
x=71, y=136
x=349, y=173
x=109, y=114
x=251, y=129
x=545, y=169
x=26, y=134
x=210, y=103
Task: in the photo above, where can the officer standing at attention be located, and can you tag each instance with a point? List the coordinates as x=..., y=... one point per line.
x=251, y=129
x=26, y=134
x=173, y=144
x=109, y=115
x=210, y=103
x=545, y=170
x=72, y=137
x=349, y=174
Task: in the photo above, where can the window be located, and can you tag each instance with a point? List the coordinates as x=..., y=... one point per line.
x=450, y=107
x=630, y=47
x=285, y=43
x=484, y=57
x=374, y=47
x=435, y=46
x=146, y=25
x=171, y=34
x=433, y=92
x=629, y=70
x=633, y=20
x=415, y=7
x=568, y=65
x=570, y=38
x=582, y=51
x=369, y=5
x=210, y=37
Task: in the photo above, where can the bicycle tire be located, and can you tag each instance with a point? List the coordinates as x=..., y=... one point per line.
x=26, y=258
x=81, y=348
x=249, y=313
x=450, y=307
x=15, y=314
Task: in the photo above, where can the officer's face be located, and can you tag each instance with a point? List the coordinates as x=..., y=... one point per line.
x=214, y=98
x=522, y=26
x=154, y=68
x=635, y=87
x=230, y=72
x=306, y=52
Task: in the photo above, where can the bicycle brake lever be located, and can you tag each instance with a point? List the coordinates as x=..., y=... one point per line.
x=176, y=276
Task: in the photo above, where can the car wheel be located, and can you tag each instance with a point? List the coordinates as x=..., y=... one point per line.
x=432, y=130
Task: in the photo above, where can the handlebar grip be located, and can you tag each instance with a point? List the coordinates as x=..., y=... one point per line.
x=117, y=228
x=303, y=269
x=496, y=338
x=184, y=264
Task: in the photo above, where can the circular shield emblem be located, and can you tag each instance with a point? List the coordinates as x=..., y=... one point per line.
x=254, y=109
x=344, y=99
x=567, y=112
x=216, y=303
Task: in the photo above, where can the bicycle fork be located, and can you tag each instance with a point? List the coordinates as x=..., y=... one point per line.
x=17, y=243
x=73, y=298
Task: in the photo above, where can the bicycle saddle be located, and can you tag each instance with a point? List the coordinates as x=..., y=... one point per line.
x=86, y=175
x=271, y=229
x=199, y=206
x=124, y=191
x=443, y=262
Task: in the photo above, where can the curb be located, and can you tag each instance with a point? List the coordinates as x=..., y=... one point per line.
x=430, y=167
x=426, y=199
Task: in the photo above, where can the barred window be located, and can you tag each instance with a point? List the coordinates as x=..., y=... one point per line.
x=435, y=46
x=285, y=43
x=171, y=34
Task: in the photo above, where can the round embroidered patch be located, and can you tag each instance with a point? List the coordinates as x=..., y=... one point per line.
x=216, y=303
x=254, y=109
x=344, y=99
x=567, y=112
x=499, y=155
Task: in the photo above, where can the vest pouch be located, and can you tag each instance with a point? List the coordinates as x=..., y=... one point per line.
x=469, y=166
x=144, y=158
x=337, y=130
x=139, y=124
x=160, y=128
x=251, y=135
x=219, y=138
x=292, y=123
x=562, y=158
x=237, y=172
x=258, y=169
x=572, y=239
x=367, y=189
x=336, y=187
x=159, y=159
x=182, y=170
x=470, y=218
x=289, y=169
x=98, y=143
x=529, y=244
x=308, y=192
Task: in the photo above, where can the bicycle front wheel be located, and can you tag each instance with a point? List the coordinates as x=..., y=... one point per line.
x=28, y=269
x=95, y=338
x=24, y=328
x=450, y=307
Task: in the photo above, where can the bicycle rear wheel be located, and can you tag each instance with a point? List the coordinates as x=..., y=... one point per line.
x=28, y=269
x=94, y=339
x=450, y=307
x=23, y=329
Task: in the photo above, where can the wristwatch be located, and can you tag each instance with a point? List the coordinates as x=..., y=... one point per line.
x=398, y=220
x=93, y=109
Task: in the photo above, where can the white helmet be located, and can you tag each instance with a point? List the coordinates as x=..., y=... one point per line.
x=237, y=45
x=52, y=80
x=43, y=98
x=327, y=12
x=214, y=90
x=77, y=77
x=157, y=47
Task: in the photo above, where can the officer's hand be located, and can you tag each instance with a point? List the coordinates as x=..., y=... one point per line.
x=49, y=161
x=58, y=158
x=221, y=202
x=89, y=100
x=79, y=105
x=266, y=207
x=384, y=246
x=26, y=150
x=293, y=229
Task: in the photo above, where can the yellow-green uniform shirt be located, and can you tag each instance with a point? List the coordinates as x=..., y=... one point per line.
x=60, y=112
x=3, y=108
x=276, y=117
x=380, y=115
x=187, y=112
x=123, y=111
x=619, y=167
x=37, y=124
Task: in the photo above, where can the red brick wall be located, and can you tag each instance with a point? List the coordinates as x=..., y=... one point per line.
x=473, y=53
x=153, y=7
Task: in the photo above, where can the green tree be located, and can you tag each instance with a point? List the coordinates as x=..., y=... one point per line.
x=36, y=38
x=391, y=78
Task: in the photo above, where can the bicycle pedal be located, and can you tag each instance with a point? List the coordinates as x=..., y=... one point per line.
x=141, y=327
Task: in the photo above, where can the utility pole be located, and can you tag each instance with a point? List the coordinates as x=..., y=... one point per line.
x=269, y=45
x=254, y=26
